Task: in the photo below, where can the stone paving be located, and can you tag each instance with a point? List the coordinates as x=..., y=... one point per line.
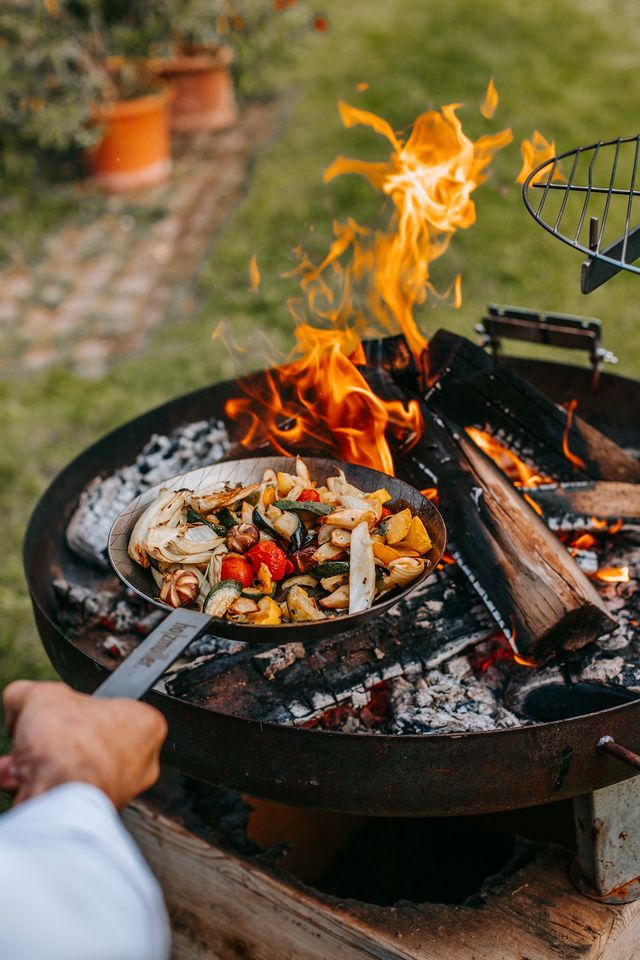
x=99, y=288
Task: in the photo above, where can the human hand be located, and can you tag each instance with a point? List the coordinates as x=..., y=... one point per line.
x=60, y=736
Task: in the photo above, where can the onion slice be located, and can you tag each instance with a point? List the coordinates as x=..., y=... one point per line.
x=362, y=571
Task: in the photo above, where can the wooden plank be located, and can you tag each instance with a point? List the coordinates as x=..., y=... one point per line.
x=224, y=907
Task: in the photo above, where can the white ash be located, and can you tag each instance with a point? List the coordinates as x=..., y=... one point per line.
x=447, y=700
x=164, y=456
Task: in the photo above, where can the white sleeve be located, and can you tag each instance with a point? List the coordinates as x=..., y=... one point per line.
x=73, y=885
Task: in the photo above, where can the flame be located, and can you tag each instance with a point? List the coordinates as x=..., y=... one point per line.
x=489, y=104
x=584, y=542
x=431, y=493
x=362, y=86
x=616, y=527
x=614, y=574
x=369, y=281
x=535, y=152
x=254, y=274
x=510, y=463
x=571, y=457
x=493, y=650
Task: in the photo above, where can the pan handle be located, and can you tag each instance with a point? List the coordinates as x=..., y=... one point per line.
x=145, y=665
x=609, y=745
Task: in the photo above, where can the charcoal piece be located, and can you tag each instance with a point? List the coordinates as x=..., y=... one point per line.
x=187, y=448
x=465, y=385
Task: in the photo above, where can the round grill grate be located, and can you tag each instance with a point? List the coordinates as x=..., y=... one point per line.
x=586, y=197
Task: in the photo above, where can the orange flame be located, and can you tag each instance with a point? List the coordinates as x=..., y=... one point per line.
x=535, y=152
x=254, y=274
x=362, y=86
x=571, y=457
x=490, y=103
x=370, y=280
x=614, y=574
x=510, y=463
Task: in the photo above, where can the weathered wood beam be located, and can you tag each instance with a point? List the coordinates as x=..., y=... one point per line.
x=585, y=506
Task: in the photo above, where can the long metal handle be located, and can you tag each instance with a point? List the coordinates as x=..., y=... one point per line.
x=146, y=664
x=609, y=745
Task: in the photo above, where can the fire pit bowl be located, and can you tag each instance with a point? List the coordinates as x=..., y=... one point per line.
x=249, y=471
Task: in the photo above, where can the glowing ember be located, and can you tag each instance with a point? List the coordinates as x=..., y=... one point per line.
x=536, y=151
x=614, y=574
x=510, y=463
x=370, y=281
x=490, y=103
x=495, y=650
x=571, y=457
x=362, y=86
x=585, y=542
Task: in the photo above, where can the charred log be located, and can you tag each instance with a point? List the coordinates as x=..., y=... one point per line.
x=530, y=583
x=586, y=506
x=467, y=387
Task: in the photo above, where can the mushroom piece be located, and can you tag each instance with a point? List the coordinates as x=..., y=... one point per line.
x=180, y=588
x=242, y=537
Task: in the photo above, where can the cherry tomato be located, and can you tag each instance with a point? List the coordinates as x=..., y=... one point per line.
x=235, y=568
x=310, y=494
x=271, y=555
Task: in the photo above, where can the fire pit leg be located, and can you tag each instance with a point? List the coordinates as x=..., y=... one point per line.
x=607, y=867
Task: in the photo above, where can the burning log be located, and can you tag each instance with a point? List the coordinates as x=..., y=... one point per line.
x=600, y=505
x=530, y=583
x=466, y=387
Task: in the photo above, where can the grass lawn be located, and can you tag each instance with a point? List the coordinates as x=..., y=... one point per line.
x=566, y=67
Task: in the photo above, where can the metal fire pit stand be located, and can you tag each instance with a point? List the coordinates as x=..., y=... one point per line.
x=607, y=867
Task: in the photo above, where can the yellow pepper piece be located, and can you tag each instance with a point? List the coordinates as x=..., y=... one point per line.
x=416, y=538
x=398, y=525
x=268, y=613
x=382, y=496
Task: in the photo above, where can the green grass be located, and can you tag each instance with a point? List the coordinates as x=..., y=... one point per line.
x=565, y=67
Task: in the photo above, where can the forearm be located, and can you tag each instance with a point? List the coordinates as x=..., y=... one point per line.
x=73, y=886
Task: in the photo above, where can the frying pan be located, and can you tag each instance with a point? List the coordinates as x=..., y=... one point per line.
x=143, y=667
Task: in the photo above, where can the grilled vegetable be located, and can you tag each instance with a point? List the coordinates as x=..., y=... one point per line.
x=319, y=509
x=362, y=575
x=301, y=606
x=268, y=553
x=242, y=537
x=397, y=526
x=331, y=569
x=237, y=568
x=338, y=600
x=220, y=598
x=180, y=588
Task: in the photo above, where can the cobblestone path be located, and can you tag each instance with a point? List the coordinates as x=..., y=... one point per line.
x=99, y=288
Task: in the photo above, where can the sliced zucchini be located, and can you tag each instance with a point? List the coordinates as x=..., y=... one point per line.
x=330, y=569
x=311, y=506
x=220, y=598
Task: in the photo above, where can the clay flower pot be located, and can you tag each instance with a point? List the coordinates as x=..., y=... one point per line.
x=135, y=149
x=202, y=89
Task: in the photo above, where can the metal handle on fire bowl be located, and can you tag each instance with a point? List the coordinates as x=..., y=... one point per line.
x=609, y=745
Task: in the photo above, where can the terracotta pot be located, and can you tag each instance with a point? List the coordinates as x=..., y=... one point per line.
x=202, y=89
x=135, y=149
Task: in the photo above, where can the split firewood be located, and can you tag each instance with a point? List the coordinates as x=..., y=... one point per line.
x=467, y=387
x=596, y=505
x=530, y=583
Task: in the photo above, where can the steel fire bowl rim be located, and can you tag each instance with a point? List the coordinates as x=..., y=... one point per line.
x=250, y=470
